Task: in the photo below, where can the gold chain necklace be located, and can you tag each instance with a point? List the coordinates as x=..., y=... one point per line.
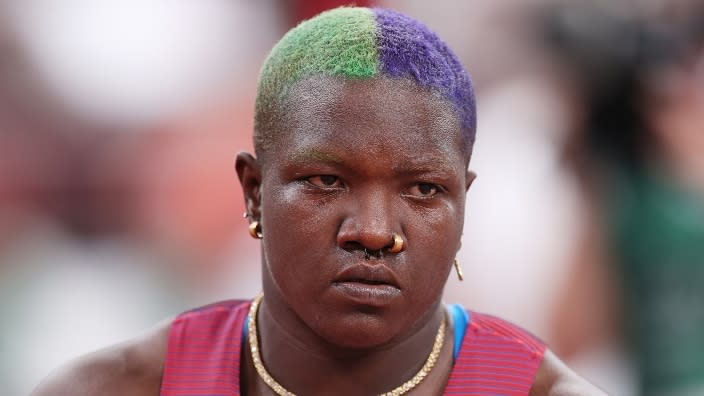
x=280, y=390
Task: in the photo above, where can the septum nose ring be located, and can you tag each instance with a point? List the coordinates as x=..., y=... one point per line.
x=396, y=243
x=396, y=246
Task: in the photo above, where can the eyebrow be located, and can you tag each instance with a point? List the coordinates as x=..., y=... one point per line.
x=315, y=155
x=424, y=165
x=429, y=165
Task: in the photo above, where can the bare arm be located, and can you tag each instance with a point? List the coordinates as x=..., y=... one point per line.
x=554, y=378
x=130, y=368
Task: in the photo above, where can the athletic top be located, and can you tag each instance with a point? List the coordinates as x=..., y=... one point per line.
x=492, y=356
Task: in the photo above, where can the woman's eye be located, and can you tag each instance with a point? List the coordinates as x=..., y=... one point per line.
x=424, y=190
x=325, y=181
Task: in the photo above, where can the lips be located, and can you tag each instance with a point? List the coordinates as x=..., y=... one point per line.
x=378, y=274
x=369, y=285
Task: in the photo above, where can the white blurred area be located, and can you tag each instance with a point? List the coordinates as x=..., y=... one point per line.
x=120, y=206
x=134, y=60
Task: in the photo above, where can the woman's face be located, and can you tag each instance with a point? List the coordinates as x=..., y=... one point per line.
x=355, y=161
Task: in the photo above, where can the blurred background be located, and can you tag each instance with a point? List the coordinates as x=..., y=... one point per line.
x=119, y=204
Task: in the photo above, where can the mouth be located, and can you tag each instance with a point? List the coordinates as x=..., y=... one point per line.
x=364, y=281
x=375, y=274
x=371, y=285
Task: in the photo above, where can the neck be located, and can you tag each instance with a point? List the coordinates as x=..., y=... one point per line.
x=298, y=358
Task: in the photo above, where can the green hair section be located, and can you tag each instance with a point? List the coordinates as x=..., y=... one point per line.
x=340, y=42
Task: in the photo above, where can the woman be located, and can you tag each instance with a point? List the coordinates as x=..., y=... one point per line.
x=364, y=129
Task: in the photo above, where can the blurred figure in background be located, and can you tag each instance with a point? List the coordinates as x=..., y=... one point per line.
x=637, y=149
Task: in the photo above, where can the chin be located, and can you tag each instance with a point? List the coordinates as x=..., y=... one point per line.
x=359, y=331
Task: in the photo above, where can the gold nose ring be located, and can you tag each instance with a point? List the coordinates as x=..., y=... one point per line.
x=397, y=243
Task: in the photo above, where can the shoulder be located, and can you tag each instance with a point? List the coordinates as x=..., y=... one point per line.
x=497, y=331
x=215, y=311
x=554, y=378
x=218, y=318
x=133, y=367
x=551, y=376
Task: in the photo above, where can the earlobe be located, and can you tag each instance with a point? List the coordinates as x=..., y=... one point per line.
x=250, y=175
x=469, y=177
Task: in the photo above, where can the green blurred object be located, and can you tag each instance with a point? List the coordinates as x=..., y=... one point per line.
x=659, y=235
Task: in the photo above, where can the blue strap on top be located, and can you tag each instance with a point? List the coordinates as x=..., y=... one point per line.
x=460, y=319
x=245, y=328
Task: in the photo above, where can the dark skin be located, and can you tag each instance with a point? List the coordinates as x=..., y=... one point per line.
x=357, y=161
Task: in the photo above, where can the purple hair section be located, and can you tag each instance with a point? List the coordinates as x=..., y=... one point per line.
x=407, y=48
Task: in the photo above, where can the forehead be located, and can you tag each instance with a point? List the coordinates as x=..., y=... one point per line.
x=370, y=115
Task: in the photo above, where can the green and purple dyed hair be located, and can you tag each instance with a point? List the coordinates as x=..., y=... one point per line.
x=363, y=43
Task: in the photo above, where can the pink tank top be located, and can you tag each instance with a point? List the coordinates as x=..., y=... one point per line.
x=203, y=355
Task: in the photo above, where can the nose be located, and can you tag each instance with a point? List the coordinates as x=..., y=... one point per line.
x=370, y=223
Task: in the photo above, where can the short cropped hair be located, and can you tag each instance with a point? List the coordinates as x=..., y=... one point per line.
x=359, y=43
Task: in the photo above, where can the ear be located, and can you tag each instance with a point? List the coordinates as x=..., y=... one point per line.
x=250, y=174
x=469, y=177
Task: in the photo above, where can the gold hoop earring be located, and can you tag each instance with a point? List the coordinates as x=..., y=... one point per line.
x=255, y=230
x=397, y=243
x=458, y=269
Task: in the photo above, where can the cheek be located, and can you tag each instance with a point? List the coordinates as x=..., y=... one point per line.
x=296, y=218
x=298, y=234
x=440, y=227
x=433, y=243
